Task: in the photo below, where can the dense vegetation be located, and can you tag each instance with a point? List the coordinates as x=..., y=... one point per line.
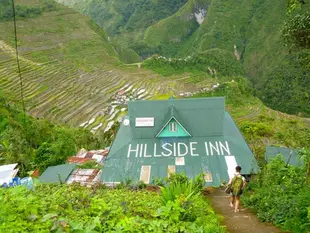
x=215, y=62
x=260, y=125
x=129, y=15
x=126, y=20
x=271, y=38
x=179, y=207
x=280, y=194
x=23, y=11
x=37, y=144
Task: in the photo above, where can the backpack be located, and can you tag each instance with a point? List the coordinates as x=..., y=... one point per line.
x=236, y=185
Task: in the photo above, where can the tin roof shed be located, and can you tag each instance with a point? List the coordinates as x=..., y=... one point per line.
x=290, y=155
x=55, y=174
x=87, y=177
x=178, y=135
x=7, y=173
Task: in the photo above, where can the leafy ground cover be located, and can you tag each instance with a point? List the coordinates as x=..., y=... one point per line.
x=280, y=194
x=73, y=208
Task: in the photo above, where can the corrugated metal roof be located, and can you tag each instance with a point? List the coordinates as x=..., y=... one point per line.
x=216, y=155
x=290, y=155
x=8, y=167
x=86, y=177
x=201, y=116
x=78, y=160
x=7, y=175
x=56, y=174
x=85, y=156
x=36, y=173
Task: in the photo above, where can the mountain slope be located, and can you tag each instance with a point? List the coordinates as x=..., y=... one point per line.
x=126, y=21
x=71, y=70
x=250, y=29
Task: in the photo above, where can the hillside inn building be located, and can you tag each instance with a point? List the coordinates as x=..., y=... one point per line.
x=159, y=137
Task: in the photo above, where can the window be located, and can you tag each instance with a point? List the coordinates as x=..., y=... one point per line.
x=173, y=127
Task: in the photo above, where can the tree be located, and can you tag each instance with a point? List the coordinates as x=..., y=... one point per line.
x=292, y=5
x=296, y=31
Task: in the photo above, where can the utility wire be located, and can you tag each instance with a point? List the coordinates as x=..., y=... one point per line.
x=18, y=65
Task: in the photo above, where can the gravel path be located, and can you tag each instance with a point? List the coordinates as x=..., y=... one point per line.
x=242, y=222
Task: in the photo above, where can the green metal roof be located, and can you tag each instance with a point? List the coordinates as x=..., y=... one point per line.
x=54, y=173
x=206, y=120
x=173, y=114
x=290, y=156
x=216, y=146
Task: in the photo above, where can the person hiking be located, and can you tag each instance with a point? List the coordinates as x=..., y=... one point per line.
x=237, y=185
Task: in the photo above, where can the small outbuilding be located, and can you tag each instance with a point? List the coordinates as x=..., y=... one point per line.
x=290, y=155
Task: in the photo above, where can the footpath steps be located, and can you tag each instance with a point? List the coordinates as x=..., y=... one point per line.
x=242, y=222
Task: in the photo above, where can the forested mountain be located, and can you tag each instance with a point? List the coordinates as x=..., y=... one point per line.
x=251, y=29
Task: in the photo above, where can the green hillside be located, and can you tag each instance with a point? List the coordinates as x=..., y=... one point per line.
x=213, y=63
x=71, y=69
x=254, y=28
x=249, y=28
x=125, y=21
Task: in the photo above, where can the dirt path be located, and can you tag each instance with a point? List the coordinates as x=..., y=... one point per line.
x=242, y=222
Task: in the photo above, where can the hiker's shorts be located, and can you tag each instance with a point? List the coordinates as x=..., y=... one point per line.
x=238, y=194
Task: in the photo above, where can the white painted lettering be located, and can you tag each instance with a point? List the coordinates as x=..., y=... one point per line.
x=225, y=148
x=207, y=149
x=132, y=150
x=174, y=149
x=155, y=150
x=179, y=149
x=192, y=148
x=212, y=147
x=146, y=155
x=166, y=149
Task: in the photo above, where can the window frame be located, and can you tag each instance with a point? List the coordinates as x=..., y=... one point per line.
x=173, y=127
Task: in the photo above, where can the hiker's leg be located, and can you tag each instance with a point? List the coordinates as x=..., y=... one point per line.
x=237, y=198
x=232, y=199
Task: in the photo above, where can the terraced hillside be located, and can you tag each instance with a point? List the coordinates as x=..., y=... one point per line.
x=251, y=29
x=71, y=73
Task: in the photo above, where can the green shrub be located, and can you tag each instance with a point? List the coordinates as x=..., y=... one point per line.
x=175, y=178
x=73, y=208
x=296, y=31
x=173, y=191
x=158, y=181
x=279, y=194
x=256, y=129
x=178, y=185
x=141, y=185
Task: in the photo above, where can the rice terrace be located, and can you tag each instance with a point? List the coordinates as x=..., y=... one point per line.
x=155, y=116
x=61, y=90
